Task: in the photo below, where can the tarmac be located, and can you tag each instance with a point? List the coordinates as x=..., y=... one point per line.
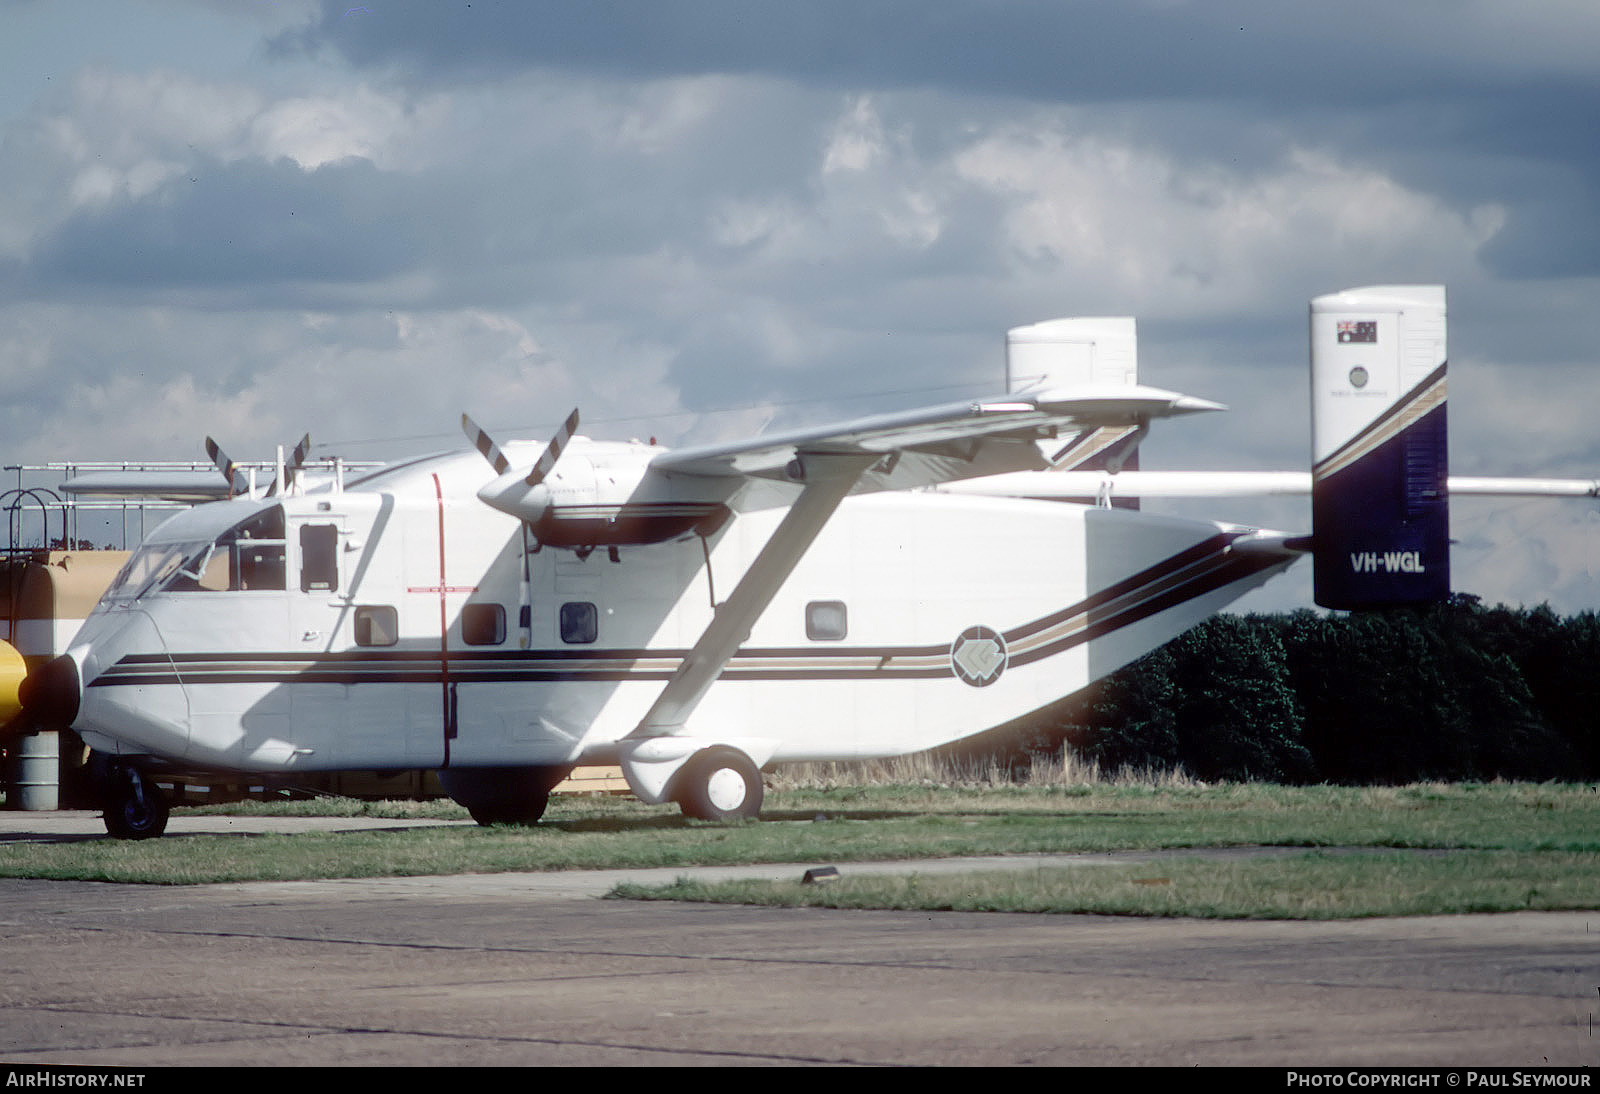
x=535, y=969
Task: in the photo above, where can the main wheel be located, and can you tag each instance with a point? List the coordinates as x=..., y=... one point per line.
x=525, y=811
x=135, y=806
x=719, y=784
x=502, y=795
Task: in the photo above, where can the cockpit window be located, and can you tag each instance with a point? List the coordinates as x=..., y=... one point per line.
x=153, y=564
x=258, y=552
x=248, y=556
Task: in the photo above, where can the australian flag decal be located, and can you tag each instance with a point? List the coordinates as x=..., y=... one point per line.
x=1352, y=330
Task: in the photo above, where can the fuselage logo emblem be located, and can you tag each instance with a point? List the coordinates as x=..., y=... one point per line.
x=1358, y=377
x=978, y=656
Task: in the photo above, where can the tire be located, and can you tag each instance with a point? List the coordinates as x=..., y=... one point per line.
x=502, y=795
x=135, y=806
x=719, y=784
x=527, y=811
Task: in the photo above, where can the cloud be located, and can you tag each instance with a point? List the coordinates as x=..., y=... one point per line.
x=1364, y=51
x=663, y=212
x=1165, y=237
x=1443, y=93
x=230, y=224
x=140, y=382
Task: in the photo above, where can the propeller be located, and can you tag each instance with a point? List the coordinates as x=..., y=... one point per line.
x=238, y=483
x=485, y=445
x=552, y=451
x=523, y=496
x=296, y=460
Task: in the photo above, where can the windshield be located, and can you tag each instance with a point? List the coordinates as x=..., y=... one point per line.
x=153, y=564
x=248, y=556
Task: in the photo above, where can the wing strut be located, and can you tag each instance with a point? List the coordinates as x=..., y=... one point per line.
x=828, y=478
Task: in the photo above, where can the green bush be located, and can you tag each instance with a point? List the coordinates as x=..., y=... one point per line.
x=1451, y=691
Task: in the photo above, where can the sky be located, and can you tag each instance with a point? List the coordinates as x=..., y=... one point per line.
x=257, y=218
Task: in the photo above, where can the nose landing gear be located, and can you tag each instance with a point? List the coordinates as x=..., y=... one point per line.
x=135, y=808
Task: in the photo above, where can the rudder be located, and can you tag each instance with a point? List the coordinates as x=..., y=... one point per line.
x=1379, y=458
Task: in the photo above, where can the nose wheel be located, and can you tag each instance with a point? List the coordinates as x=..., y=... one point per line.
x=135, y=806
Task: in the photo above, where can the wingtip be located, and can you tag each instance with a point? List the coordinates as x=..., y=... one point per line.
x=1190, y=404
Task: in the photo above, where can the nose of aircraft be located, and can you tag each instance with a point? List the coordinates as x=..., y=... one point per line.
x=51, y=692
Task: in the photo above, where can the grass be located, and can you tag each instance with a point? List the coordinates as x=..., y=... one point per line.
x=1518, y=845
x=1310, y=885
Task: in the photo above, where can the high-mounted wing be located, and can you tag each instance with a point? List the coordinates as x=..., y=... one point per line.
x=887, y=452
x=936, y=444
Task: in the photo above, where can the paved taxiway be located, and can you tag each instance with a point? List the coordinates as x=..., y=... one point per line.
x=532, y=969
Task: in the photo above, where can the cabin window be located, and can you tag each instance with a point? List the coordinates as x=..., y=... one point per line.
x=319, y=558
x=483, y=624
x=580, y=622
x=827, y=621
x=377, y=625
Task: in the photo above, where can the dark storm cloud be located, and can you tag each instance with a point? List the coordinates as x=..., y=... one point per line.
x=1037, y=49
x=1435, y=93
x=245, y=222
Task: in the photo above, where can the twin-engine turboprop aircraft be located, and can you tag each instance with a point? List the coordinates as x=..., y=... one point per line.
x=695, y=615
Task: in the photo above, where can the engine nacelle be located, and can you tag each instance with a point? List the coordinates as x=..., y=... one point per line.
x=608, y=502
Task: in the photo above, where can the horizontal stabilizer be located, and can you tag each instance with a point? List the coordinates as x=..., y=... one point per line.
x=1097, y=485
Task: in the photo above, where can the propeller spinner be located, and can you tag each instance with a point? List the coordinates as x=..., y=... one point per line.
x=524, y=496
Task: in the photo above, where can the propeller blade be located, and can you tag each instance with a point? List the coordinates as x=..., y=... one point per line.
x=296, y=460
x=237, y=482
x=485, y=445
x=552, y=451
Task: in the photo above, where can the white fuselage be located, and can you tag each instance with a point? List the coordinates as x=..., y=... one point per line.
x=402, y=624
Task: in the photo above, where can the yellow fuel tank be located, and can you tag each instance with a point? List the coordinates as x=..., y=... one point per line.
x=12, y=670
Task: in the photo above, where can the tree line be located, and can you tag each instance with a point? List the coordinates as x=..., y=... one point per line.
x=1452, y=691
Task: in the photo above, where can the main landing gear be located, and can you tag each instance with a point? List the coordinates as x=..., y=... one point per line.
x=719, y=784
x=135, y=807
x=502, y=795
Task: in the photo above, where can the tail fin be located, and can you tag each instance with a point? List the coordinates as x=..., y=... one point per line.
x=1084, y=352
x=1379, y=462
